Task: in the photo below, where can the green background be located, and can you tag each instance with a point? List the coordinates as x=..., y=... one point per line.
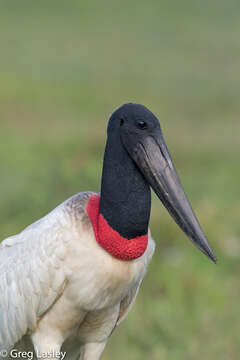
x=64, y=67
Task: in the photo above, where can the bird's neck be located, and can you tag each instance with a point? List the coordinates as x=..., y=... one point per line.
x=120, y=216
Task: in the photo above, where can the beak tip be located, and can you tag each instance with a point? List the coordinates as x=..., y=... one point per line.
x=210, y=254
x=204, y=246
x=214, y=259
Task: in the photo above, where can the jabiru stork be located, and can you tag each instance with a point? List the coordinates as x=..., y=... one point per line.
x=69, y=279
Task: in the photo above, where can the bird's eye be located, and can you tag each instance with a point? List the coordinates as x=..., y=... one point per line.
x=121, y=122
x=142, y=124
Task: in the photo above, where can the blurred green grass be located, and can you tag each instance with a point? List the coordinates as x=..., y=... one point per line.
x=64, y=67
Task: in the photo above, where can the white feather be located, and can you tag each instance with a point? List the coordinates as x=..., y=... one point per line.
x=27, y=285
x=59, y=287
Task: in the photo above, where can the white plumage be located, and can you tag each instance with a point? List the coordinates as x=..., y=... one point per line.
x=55, y=280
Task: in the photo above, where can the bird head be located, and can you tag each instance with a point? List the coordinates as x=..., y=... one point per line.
x=142, y=137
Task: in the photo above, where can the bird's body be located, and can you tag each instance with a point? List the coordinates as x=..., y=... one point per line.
x=85, y=288
x=67, y=280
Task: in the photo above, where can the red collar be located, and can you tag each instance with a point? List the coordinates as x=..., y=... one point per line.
x=111, y=240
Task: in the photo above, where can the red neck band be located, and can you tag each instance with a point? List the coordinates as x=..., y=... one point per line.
x=111, y=240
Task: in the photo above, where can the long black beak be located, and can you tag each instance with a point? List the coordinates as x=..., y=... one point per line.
x=153, y=159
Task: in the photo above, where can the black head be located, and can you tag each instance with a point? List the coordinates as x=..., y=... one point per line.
x=141, y=136
x=133, y=122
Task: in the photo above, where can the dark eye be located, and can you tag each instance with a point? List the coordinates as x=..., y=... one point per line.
x=142, y=124
x=121, y=122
